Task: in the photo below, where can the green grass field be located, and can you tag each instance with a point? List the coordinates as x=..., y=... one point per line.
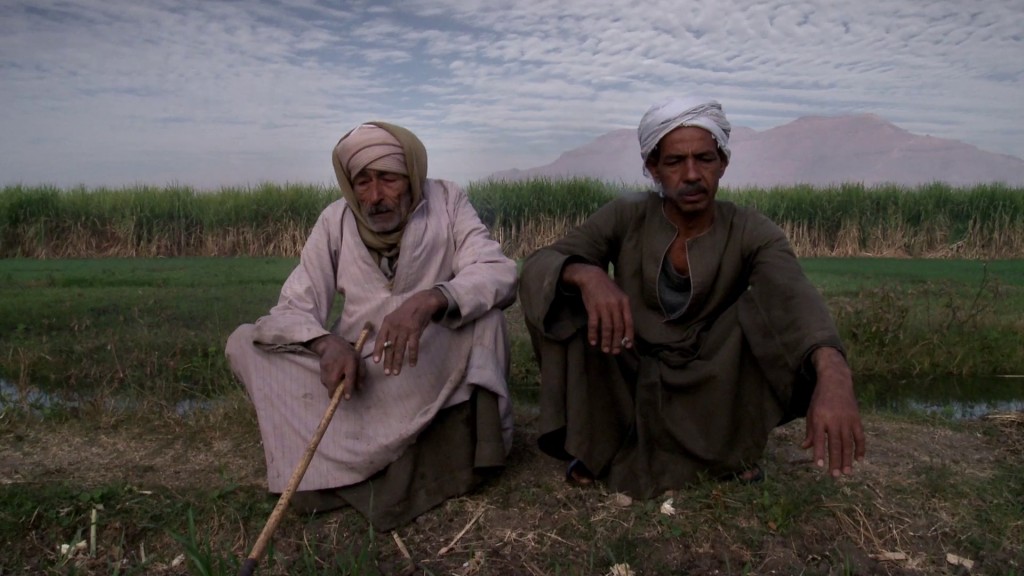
x=157, y=326
x=118, y=344
x=845, y=275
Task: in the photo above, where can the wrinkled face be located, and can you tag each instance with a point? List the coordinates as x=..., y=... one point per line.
x=687, y=169
x=384, y=197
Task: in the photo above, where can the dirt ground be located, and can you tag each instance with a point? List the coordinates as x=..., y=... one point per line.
x=173, y=457
x=524, y=521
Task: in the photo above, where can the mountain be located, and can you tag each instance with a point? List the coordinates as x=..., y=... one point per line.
x=814, y=150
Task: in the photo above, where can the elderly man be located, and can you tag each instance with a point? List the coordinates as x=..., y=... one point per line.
x=706, y=337
x=426, y=411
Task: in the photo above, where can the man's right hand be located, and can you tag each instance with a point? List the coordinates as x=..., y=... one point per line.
x=609, y=318
x=339, y=362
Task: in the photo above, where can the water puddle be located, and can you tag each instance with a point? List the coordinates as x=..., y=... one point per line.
x=10, y=396
x=954, y=398
x=37, y=401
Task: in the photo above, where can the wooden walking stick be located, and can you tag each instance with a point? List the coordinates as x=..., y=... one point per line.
x=249, y=566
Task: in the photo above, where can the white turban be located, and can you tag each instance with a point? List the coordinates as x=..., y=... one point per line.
x=663, y=118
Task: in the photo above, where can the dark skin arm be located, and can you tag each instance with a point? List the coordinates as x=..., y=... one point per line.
x=404, y=327
x=609, y=318
x=833, y=420
x=339, y=362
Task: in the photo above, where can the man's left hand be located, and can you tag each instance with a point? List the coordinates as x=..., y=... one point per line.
x=401, y=330
x=833, y=420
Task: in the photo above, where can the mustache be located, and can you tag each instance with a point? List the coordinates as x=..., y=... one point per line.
x=692, y=188
x=378, y=209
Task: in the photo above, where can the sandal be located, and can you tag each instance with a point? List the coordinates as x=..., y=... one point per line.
x=577, y=473
x=752, y=475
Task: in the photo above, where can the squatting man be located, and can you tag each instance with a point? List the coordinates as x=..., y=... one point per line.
x=705, y=336
x=426, y=414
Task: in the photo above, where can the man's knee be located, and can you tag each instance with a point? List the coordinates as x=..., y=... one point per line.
x=495, y=316
x=239, y=344
x=491, y=330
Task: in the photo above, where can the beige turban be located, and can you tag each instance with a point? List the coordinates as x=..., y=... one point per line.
x=370, y=146
x=663, y=118
x=388, y=148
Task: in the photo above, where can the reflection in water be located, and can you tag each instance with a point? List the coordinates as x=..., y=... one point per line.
x=36, y=400
x=31, y=398
x=956, y=398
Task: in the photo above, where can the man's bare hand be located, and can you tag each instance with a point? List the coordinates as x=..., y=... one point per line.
x=833, y=419
x=609, y=318
x=339, y=362
x=400, y=332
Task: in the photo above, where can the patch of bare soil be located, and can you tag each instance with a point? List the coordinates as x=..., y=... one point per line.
x=179, y=453
x=891, y=517
x=182, y=456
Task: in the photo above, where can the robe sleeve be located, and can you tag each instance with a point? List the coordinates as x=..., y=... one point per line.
x=546, y=302
x=305, y=302
x=784, y=315
x=483, y=277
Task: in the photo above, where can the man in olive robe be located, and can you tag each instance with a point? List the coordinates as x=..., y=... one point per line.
x=705, y=336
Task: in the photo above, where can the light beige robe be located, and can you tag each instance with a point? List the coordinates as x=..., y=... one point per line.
x=444, y=244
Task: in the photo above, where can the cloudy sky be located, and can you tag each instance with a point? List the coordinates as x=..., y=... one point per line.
x=211, y=93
